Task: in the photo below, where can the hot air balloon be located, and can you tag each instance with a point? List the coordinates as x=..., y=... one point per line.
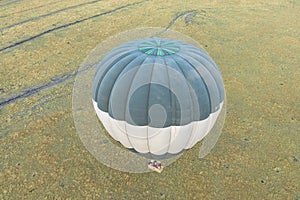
x=157, y=95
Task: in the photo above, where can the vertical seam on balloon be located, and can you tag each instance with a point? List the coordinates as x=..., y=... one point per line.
x=137, y=57
x=203, y=54
x=123, y=50
x=131, y=58
x=190, y=139
x=188, y=84
x=220, y=89
x=108, y=105
x=139, y=66
x=207, y=57
x=210, y=104
x=105, y=72
x=209, y=100
x=169, y=85
x=213, y=78
x=206, y=89
x=124, y=67
x=148, y=105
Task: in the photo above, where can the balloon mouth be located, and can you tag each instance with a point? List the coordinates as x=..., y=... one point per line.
x=158, y=47
x=154, y=156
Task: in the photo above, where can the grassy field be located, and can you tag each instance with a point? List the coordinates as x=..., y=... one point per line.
x=256, y=45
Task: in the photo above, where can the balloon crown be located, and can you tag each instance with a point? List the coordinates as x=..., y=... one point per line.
x=159, y=47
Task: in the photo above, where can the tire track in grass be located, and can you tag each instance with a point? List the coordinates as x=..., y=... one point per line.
x=29, y=9
x=35, y=89
x=172, y=22
x=47, y=15
x=9, y=2
x=60, y=79
x=17, y=118
x=69, y=24
x=67, y=76
x=179, y=16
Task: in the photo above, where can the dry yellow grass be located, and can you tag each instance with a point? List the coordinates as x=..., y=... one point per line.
x=256, y=45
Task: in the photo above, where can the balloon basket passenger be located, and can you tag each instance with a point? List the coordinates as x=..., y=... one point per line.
x=155, y=166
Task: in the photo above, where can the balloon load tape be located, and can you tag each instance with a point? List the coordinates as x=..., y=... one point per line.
x=156, y=166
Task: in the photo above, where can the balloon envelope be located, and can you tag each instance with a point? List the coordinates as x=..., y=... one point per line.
x=157, y=95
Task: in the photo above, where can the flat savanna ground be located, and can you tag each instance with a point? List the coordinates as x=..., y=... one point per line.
x=256, y=45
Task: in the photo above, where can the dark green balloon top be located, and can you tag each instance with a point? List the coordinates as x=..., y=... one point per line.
x=158, y=82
